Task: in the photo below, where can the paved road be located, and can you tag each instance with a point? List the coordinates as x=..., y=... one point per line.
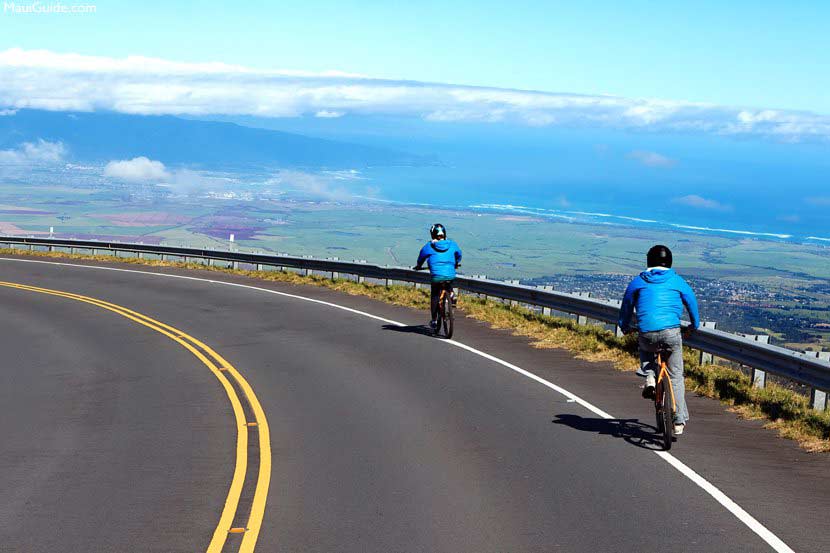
x=383, y=439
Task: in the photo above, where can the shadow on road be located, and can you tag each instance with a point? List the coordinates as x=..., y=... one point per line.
x=631, y=430
x=414, y=329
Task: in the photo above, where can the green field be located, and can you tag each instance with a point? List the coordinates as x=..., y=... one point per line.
x=782, y=287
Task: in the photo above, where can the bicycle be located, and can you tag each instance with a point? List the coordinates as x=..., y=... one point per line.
x=664, y=402
x=446, y=317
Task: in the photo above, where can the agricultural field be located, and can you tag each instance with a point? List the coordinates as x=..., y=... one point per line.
x=773, y=287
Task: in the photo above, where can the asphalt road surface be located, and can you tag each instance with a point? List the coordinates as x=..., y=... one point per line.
x=117, y=437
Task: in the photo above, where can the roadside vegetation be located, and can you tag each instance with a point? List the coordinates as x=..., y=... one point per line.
x=784, y=410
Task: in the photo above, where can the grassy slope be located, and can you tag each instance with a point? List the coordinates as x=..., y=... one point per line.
x=786, y=411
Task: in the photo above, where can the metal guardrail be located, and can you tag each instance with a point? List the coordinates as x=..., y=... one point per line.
x=761, y=357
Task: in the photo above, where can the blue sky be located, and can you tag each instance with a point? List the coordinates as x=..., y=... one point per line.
x=738, y=53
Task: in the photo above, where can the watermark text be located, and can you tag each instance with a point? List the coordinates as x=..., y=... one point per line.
x=15, y=8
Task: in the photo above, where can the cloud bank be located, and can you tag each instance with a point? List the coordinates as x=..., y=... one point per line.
x=699, y=202
x=137, y=170
x=47, y=80
x=30, y=153
x=652, y=159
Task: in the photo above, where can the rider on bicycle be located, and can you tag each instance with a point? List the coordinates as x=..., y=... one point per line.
x=659, y=295
x=443, y=257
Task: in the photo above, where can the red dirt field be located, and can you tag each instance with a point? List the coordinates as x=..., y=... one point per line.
x=10, y=229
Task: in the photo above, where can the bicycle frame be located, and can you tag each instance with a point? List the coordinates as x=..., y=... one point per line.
x=663, y=376
x=441, y=300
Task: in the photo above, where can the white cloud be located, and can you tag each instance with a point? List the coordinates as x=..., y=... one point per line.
x=699, y=202
x=310, y=184
x=137, y=170
x=328, y=185
x=48, y=80
x=792, y=218
x=30, y=153
x=652, y=159
x=7, y=112
x=818, y=201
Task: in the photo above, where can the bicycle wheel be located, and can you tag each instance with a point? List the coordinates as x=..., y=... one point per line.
x=449, y=318
x=658, y=407
x=439, y=320
x=667, y=409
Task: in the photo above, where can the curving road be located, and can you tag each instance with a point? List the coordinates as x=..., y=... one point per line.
x=117, y=438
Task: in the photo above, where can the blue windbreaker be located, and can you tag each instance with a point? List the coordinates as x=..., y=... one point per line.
x=659, y=296
x=442, y=256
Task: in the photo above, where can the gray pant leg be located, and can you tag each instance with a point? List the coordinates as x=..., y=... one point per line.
x=674, y=365
x=648, y=357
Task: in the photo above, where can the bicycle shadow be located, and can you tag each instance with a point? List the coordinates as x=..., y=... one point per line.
x=424, y=330
x=631, y=430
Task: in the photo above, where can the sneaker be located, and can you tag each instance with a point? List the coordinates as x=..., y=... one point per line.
x=648, y=389
x=678, y=429
x=453, y=299
x=433, y=325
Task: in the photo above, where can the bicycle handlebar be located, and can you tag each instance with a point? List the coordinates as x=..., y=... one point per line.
x=416, y=268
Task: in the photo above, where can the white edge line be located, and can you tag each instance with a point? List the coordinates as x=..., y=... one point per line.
x=765, y=534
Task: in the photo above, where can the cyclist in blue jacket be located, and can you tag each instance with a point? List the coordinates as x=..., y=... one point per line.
x=659, y=294
x=443, y=257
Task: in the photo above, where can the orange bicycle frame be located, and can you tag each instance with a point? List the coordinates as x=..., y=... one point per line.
x=664, y=376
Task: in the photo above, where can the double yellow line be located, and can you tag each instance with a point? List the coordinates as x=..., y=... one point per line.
x=220, y=368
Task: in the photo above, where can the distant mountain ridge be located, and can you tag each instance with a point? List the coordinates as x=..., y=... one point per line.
x=104, y=136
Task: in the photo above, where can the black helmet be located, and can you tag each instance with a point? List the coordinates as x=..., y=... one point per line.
x=437, y=231
x=659, y=256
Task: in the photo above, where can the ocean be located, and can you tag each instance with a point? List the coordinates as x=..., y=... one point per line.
x=767, y=212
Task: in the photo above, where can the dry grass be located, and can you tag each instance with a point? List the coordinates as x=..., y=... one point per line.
x=786, y=411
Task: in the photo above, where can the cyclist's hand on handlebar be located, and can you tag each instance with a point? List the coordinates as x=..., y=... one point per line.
x=417, y=268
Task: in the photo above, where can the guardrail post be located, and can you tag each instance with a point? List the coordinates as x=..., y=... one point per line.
x=707, y=358
x=759, y=377
x=334, y=274
x=360, y=279
x=546, y=288
x=513, y=303
x=617, y=330
x=481, y=277
x=818, y=398
x=307, y=272
x=582, y=319
x=163, y=256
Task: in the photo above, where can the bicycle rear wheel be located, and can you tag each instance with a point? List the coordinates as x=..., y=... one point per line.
x=667, y=412
x=658, y=408
x=449, y=318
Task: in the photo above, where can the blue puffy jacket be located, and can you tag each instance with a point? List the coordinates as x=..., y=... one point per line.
x=659, y=296
x=442, y=256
